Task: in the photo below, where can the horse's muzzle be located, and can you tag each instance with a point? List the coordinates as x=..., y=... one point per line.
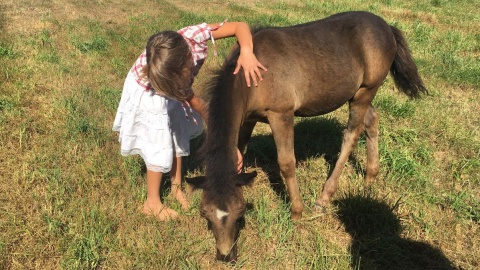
x=230, y=257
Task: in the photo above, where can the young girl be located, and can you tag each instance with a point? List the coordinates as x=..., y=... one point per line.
x=155, y=118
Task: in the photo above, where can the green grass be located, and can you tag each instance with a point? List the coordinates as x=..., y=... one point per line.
x=6, y=51
x=70, y=200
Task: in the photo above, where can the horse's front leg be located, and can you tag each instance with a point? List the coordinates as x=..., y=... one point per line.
x=244, y=135
x=282, y=129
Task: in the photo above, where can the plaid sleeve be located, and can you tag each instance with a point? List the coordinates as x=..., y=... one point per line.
x=136, y=71
x=197, y=37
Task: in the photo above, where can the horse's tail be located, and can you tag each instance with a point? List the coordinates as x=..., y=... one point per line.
x=404, y=70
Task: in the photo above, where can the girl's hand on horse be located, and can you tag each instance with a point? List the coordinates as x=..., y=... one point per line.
x=251, y=67
x=247, y=60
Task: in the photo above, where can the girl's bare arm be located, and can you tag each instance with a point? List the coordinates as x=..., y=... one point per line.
x=200, y=106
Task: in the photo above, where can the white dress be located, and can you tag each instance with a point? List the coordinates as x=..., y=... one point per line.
x=153, y=126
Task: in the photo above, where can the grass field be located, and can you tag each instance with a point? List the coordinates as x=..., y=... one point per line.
x=69, y=200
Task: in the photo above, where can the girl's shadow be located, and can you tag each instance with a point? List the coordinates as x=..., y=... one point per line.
x=377, y=243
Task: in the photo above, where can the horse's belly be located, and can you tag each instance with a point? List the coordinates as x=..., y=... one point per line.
x=323, y=103
x=314, y=111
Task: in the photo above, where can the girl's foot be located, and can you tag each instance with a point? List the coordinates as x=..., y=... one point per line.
x=181, y=198
x=159, y=211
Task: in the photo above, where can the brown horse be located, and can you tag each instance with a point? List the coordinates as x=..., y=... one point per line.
x=313, y=68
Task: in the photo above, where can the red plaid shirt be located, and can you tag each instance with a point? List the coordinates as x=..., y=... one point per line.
x=196, y=37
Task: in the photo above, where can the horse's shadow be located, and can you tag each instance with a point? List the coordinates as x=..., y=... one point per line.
x=194, y=161
x=314, y=137
x=376, y=240
x=375, y=229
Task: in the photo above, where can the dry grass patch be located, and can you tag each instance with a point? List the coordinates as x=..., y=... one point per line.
x=69, y=200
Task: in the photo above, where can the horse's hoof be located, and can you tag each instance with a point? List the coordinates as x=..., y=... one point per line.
x=322, y=209
x=296, y=216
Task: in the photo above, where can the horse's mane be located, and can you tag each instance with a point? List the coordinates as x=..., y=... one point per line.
x=220, y=168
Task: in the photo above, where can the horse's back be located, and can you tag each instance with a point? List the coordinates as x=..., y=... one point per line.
x=340, y=31
x=316, y=67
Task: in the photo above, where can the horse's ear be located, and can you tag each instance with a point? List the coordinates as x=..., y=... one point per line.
x=197, y=182
x=244, y=179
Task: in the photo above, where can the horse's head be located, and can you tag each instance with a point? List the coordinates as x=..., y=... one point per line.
x=224, y=211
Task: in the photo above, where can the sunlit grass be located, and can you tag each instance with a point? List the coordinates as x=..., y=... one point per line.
x=70, y=200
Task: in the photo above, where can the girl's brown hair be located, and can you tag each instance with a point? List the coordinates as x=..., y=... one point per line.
x=169, y=65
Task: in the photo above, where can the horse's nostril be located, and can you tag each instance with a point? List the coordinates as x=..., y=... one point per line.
x=229, y=258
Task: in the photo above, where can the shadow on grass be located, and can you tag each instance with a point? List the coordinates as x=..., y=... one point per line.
x=376, y=237
x=193, y=162
x=314, y=137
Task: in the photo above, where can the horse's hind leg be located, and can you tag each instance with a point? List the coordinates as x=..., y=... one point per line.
x=371, y=135
x=282, y=129
x=358, y=109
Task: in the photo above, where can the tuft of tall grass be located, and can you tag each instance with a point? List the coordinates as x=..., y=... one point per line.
x=96, y=44
x=465, y=205
x=87, y=242
x=270, y=223
x=7, y=51
x=393, y=107
x=6, y=104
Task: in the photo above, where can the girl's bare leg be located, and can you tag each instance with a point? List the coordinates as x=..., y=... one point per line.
x=176, y=178
x=153, y=205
